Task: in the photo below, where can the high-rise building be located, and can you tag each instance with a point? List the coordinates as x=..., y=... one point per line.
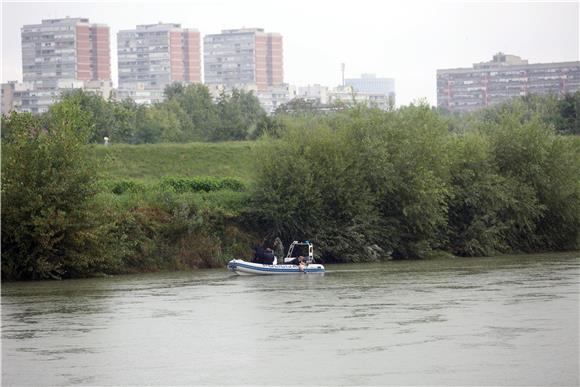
x=58, y=53
x=502, y=78
x=371, y=85
x=153, y=56
x=239, y=57
x=65, y=49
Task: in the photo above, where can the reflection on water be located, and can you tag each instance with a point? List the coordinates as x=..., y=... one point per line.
x=494, y=321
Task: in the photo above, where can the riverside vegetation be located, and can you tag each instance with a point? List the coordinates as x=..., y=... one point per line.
x=362, y=183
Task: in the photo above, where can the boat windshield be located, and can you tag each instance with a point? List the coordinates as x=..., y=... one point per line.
x=300, y=249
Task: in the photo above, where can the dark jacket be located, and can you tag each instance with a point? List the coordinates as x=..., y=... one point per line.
x=264, y=256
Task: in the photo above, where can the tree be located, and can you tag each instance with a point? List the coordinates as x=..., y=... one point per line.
x=162, y=122
x=269, y=125
x=567, y=121
x=100, y=113
x=48, y=228
x=485, y=208
x=407, y=167
x=124, y=129
x=310, y=186
x=239, y=113
x=197, y=103
x=358, y=182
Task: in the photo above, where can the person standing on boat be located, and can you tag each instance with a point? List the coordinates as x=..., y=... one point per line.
x=279, y=249
x=274, y=259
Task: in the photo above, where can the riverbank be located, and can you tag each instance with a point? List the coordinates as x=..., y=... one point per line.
x=363, y=184
x=177, y=206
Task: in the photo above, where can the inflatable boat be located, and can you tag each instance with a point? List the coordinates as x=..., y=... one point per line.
x=307, y=265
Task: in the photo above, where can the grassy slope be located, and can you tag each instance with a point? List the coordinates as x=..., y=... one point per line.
x=152, y=161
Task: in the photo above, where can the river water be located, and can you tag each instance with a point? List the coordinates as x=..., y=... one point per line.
x=484, y=321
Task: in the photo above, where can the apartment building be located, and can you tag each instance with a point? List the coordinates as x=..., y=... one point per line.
x=65, y=49
x=502, y=78
x=240, y=57
x=153, y=56
x=57, y=53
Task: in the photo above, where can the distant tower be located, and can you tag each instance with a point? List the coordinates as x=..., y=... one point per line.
x=342, y=66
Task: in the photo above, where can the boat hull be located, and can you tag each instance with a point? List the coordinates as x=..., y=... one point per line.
x=241, y=267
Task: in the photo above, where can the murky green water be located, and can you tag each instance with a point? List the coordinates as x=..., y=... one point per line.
x=496, y=321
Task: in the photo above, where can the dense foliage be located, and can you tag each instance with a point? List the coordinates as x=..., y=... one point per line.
x=363, y=184
x=366, y=184
x=48, y=227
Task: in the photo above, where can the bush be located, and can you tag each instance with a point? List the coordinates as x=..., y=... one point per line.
x=51, y=226
x=485, y=208
x=201, y=184
x=119, y=187
x=164, y=230
x=360, y=185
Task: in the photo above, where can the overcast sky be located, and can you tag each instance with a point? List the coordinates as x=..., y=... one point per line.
x=405, y=40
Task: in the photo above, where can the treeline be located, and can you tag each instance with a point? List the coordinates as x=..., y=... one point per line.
x=363, y=184
x=188, y=113
x=560, y=112
x=366, y=184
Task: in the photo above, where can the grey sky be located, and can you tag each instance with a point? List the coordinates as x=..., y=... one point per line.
x=405, y=40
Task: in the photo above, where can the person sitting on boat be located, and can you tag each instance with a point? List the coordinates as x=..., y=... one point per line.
x=297, y=261
x=264, y=256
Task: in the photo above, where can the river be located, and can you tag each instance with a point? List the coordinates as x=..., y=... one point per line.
x=485, y=321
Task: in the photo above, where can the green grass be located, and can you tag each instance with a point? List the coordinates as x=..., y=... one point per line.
x=154, y=161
